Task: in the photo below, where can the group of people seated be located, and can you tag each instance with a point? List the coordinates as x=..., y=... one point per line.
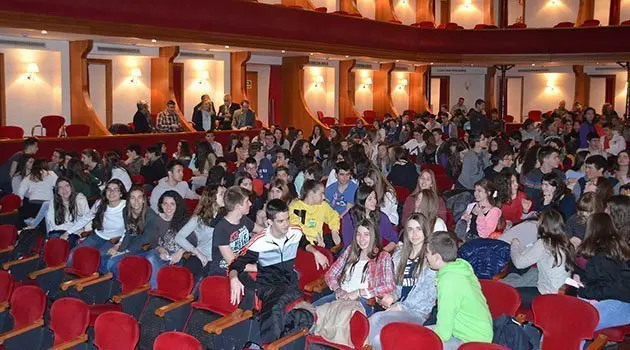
x=230, y=116
x=559, y=202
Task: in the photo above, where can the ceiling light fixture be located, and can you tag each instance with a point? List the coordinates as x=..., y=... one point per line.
x=227, y=46
x=44, y=32
x=153, y=41
x=284, y=51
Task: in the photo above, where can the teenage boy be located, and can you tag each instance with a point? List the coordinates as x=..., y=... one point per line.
x=475, y=161
x=283, y=158
x=273, y=252
x=251, y=167
x=134, y=159
x=313, y=171
x=549, y=159
x=153, y=168
x=594, y=145
x=216, y=147
x=500, y=159
x=174, y=181
x=232, y=232
x=8, y=168
x=270, y=146
x=340, y=194
x=462, y=315
x=265, y=166
x=594, y=167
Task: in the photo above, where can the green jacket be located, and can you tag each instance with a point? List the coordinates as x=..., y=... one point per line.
x=462, y=309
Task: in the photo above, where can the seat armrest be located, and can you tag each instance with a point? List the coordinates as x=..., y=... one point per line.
x=7, y=249
x=33, y=275
x=161, y=311
x=218, y=326
x=15, y=332
x=35, y=127
x=286, y=340
x=599, y=343
x=336, y=249
x=71, y=343
x=106, y=277
x=8, y=264
x=316, y=285
x=521, y=318
x=65, y=285
x=4, y=306
x=117, y=299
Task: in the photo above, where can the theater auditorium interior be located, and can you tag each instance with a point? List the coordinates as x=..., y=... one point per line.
x=315, y=174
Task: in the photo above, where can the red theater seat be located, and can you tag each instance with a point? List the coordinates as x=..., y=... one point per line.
x=75, y=130
x=69, y=321
x=321, y=9
x=502, y=298
x=310, y=274
x=320, y=115
x=509, y=119
x=11, y=132
x=625, y=23
x=28, y=304
x=138, y=179
x=369, y=116
x=481, y=26
x=424, y=24
x=116, y=331
x=10, y=202
x=401, y=335
x=259, y=124
x=343, y=13
x=176, y=340
x=359, y=330
x=564, y=25
x=395, y=21
x=482, y=346
x=329, y=121
x=590, y=23
x=517, y=26
x=453, y=26
x=52, y=124
x=535, y=115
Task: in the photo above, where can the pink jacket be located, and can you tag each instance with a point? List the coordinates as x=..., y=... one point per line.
x=486, y=224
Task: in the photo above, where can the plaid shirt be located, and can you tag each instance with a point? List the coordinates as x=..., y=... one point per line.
x=379, y=274
x=165, y=120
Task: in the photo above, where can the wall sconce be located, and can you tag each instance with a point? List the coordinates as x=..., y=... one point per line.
x=203, y=77
x=366, y=82
x=402, y=84
x=403, y=2
x=554, y=2
x=135, y=74
x=319, y=81
x=31, y=70
x=551, y=87
x=467, y=4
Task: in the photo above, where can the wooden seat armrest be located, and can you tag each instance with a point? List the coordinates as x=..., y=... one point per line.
x=598, y=343
x=4, y=306
x=8, y=264
x=65, y=285
x=563, y=289
x=521, y=318
x=227, y=321
x=367, y=347
x=117, y=299
x=106, y=277
x=33, y=275
x=310, y=286
x=71, y=343
x=161, y=311
x=7, y=249
x=286, y=340
x=15, y=332
x=336, y=249
x=371, y=302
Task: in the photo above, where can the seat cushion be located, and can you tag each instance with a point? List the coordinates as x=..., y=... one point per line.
x=97, y=309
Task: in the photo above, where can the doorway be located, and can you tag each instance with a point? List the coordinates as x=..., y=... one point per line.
x=178, y=85
x=251, y=85
x=514, y=98
x=101, y=94
x=440, y=92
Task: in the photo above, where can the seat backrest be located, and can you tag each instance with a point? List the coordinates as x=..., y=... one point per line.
x=8, y=236
x=137, y=179
x=191, y=205
x=425, y=24
x=56, y=252
x=625, y=23
x=174, y=282
x=535, y=115
x=75, y=130
x=259, y=124
x=359, y=329
x=85, y=261
x=482, y=346
x=11, y=132
x=564, y=320
x=6, y=286
x=69, y=318
x=321, y=9
x=28, y=304
x=518, y=25
x=188, y=173
x=401, y=193
x=369, y=116
x=564, y=25
x=590, y=23
x=176, y=340
x=214, y=293
x=502, y=298
x=452, y=26
x=133, y=272
x=481, y=26
x=320, y=115
x=52, y=124
x=509, y=118
x=114, y=330
x=401, y=335
x=10, y=202
x=437, y=169
x=307, y=268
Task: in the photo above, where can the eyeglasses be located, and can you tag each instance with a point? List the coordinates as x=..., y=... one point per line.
x=112, y=190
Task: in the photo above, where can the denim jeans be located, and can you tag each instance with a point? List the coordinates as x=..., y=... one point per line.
x=156, y=263
x=612, y=313
x=332, y=297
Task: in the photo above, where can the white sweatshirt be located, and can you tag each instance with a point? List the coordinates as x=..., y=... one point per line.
x=113, y=221
x=38, y=191
x=82, y=209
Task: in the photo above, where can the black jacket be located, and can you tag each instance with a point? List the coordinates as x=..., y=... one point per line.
x=197, y=119
x=142, y=123
x=153, y=172
x=605, y=279
x=478, y=122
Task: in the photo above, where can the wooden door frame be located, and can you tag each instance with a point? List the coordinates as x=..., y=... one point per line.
x=108, y=86
x=441, y=99
x=3, y=93
x=507, y=84
x=182, y=88
x=612, y=78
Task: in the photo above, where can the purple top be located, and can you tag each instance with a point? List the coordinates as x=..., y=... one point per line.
x=385, y=227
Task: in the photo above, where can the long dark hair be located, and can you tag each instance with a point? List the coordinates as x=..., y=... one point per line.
x=603, y=239
x=180, y=217
x=201, y=155
x=21, y=166
x=60, y=208
x=359, y=212
x=619, y=209
x=111, y=160
x=133, y=224
x=503, y=185
x=354, y=251
x=552, y=231
x=560, y=187
x=40, y=166
x=185, y=149
x=97, y=223
x=407, y=247
x=208, y=207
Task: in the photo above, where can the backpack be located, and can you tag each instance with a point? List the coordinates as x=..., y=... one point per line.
x=508, y=332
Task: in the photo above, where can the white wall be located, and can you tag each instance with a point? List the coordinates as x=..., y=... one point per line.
x=263, y=71
x=470, y=87
x=543, y=91
x=515, y=11
x=367, y=8
x=542, y=13
x=405, y=10
x=98, y=93
x=466, y=15
x=28, y=100
x=624, y=11
x=194, y=86
x=363, y=95
x=435, y=94
x=321, y=97
x=125, y=94
x=515, y=99
x=330, y=5
x=597, y=96
x=602, y=11
x=620, y=92
x=400, y=91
